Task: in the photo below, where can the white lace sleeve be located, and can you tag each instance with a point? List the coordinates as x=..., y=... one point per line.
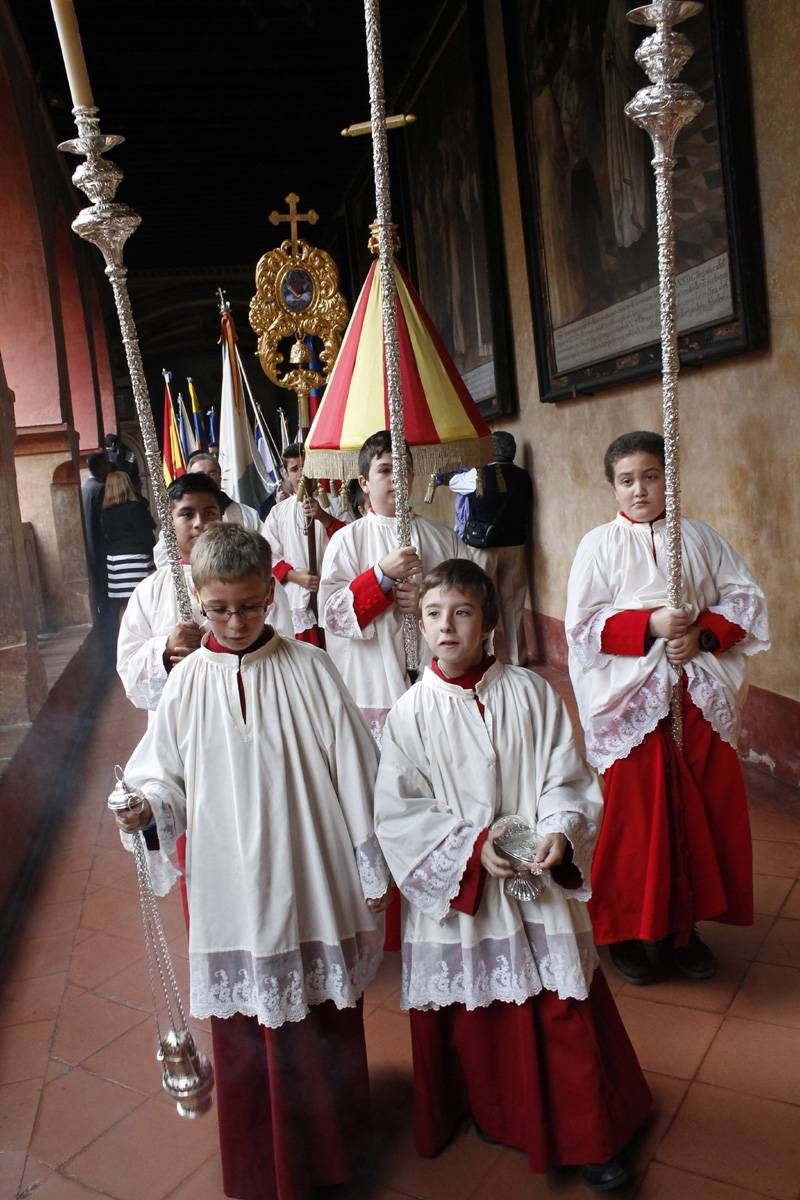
x=748, y=610
x=339, y=616
x=372, y=869
x=581, y=833
x=584, y=639
x=436, y=879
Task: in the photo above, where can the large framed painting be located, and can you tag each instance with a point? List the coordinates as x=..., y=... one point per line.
x=588, y=194
x=448, y=203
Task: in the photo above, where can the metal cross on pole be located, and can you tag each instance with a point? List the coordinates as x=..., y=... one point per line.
x=294, y=218
x=391, y=349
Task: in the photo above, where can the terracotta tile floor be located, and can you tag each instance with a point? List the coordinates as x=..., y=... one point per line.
x=82, y=1116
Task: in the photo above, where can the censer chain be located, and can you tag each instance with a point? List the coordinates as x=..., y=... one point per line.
x=156, y=950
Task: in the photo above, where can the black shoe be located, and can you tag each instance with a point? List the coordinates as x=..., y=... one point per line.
x=605, y=1177
x=640, y=963
x=695, y=961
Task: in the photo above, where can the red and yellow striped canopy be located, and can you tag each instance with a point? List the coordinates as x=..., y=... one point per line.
x=443, y=424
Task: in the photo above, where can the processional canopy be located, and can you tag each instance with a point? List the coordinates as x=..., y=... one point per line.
x=443, y=424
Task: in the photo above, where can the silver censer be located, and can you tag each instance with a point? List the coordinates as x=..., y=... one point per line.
x=187, y=1075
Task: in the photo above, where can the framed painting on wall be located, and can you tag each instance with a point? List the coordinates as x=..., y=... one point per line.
x=588, y=194
x=448, y=203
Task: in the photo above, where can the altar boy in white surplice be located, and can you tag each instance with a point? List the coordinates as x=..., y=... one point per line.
x=260, y=756
x=368, y=583
x=511, y=1019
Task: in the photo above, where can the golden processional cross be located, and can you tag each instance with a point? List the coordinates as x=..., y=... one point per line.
x=294, y=218
x=297, y=296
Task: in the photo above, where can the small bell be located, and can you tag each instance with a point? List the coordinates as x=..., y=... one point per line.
x=187, y=1075
x=299, y=355
x=480, y=482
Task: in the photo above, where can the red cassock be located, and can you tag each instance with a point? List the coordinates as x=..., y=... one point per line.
x=675, y=843
x=557, y=1079
x=292, y=1103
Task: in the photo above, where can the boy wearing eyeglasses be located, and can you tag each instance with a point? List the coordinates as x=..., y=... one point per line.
x=259, y=755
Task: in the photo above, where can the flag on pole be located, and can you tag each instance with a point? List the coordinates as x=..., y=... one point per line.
x=285, y=438
x=173, y=462
x=197, y=416
x=185, y=432
x=238, y=457
x=269, y=456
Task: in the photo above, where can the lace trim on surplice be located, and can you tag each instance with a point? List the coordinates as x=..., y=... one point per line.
x=339, y=616
x=511, y=969
x=436, y=879
x=372, y=869
x=582, y=836
x=613, y=734
x=749, y=612
x=281, y=988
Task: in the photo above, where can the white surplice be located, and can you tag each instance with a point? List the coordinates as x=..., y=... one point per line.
x=284, y=529
x=622, y=566
x=446, y=773
x=372, y=660
x=277, y=810
x=150, y=616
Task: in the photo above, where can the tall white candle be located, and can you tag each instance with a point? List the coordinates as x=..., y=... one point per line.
x=72, y=51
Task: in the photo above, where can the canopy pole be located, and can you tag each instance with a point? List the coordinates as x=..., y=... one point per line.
x=380, y=160
x=663, y=110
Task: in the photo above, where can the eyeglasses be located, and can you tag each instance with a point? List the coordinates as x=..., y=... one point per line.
x=246, y=611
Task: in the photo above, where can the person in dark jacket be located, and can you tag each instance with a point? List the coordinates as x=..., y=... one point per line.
x=128, y=531
x=497, y=525
x=91, y=501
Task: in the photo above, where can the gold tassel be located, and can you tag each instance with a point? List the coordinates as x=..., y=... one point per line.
x=430, y=489
x=301, y=490
x=479, y=482
x=500, y=478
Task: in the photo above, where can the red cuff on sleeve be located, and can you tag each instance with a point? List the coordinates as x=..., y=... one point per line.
x=281, y=569
x=626, y=633
x=725, y=631
x=369, y=599
x=469, y=894
x=334, y=525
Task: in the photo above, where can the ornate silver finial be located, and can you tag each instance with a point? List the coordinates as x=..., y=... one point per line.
x=108, y=225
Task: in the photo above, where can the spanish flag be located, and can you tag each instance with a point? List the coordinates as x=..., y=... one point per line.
x=172, y=460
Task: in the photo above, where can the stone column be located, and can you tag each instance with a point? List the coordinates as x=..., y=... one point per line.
x=23, y=686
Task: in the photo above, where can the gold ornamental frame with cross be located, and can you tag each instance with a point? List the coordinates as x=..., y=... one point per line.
x=297, y=295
